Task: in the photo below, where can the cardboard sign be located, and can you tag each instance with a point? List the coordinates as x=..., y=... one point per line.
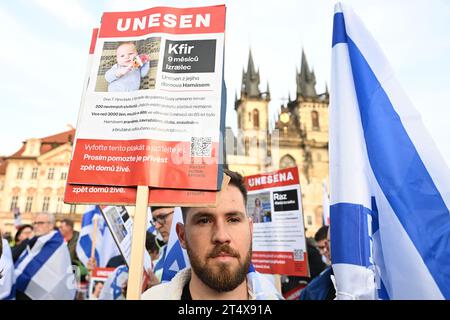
x=153, y=107
x=275, y=205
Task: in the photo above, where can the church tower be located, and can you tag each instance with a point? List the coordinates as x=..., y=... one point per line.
x=303, y=140
x=253, y=114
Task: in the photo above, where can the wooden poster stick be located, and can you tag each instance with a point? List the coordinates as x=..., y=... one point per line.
x=138, y=245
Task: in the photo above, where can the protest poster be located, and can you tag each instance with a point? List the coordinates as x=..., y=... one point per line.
x=153, y=111
x=97, y=280
x=275, y=205
x=121, y=225
x=154, y=119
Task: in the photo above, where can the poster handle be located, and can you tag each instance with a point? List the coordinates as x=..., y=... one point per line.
x=92, y=263
x=138, y=244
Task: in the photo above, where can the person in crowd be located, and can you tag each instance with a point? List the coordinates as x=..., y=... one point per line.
x=120, y=275
x=23, y=235
x=322, y=243
x=71, y=238
x=43, y=269
x=293, y=284
x=25, y=231
x=162, y=220
x=219, y=245
x=321, y=288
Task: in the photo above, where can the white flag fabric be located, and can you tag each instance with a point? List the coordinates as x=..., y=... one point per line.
x=325, y=205
x=112, y=288
x=390, y=188
x=176, y=257
x=7, y=281
x=105, y=247
x=44, y=272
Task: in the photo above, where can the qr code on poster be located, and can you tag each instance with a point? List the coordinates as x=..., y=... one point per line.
x=201, y=147
x=298, y=255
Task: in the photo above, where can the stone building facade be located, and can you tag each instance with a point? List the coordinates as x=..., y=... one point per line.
x=299, y=137
x=33, y=180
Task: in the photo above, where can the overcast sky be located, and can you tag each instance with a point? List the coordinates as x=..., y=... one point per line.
x=45, y=45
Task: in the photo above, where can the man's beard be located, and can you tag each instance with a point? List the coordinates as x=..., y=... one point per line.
x=222, y=278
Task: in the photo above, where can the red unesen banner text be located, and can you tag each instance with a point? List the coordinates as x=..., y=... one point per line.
x=280, y=178
x=163, y=20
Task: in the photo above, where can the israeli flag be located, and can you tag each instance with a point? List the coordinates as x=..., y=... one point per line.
x=325, y=204
x=44, y=272
x=112, y=288
x=262, y=285
x=390, y=188
x=176, y=257
x=7, y=281
x=105, y=247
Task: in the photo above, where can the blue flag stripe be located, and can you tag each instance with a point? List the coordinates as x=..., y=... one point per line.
x=86, y=244
x=12, y=293
x=38, y=261
x=350, y=243
x=87, y=216
x=175, y=254
x=382, y=292
x=339, y=32
x=401, y=173
x=160, y=263
x=375, y=219
x=21, y=258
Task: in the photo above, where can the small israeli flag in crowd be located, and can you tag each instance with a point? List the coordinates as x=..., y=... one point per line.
x=261, y=286
x=390, y=188
x=7, y=281
x=176, y=257
x=44, y=272
x=105, y=247
x=112, y=288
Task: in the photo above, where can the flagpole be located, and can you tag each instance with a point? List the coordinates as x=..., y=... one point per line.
x=138, y=244
x=94, y=237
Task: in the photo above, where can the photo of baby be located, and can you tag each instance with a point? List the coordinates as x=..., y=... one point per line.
x=126, y=74
x=128, y=66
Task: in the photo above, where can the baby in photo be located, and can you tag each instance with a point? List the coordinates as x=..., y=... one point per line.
x=126, y=74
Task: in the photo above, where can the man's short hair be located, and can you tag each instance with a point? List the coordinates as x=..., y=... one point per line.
x=68, y=222
x=51, y=216
x=157, y=208
x=321, y=234
x=236, y=180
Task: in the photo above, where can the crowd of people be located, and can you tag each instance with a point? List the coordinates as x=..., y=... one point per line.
x=218, y=242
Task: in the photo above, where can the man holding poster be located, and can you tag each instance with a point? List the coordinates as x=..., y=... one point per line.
x=219, y=245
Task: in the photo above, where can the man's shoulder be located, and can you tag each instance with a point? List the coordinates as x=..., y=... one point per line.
x=162, y=291
x=171, y=290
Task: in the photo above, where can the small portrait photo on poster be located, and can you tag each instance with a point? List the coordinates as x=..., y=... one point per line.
x=128, y=65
